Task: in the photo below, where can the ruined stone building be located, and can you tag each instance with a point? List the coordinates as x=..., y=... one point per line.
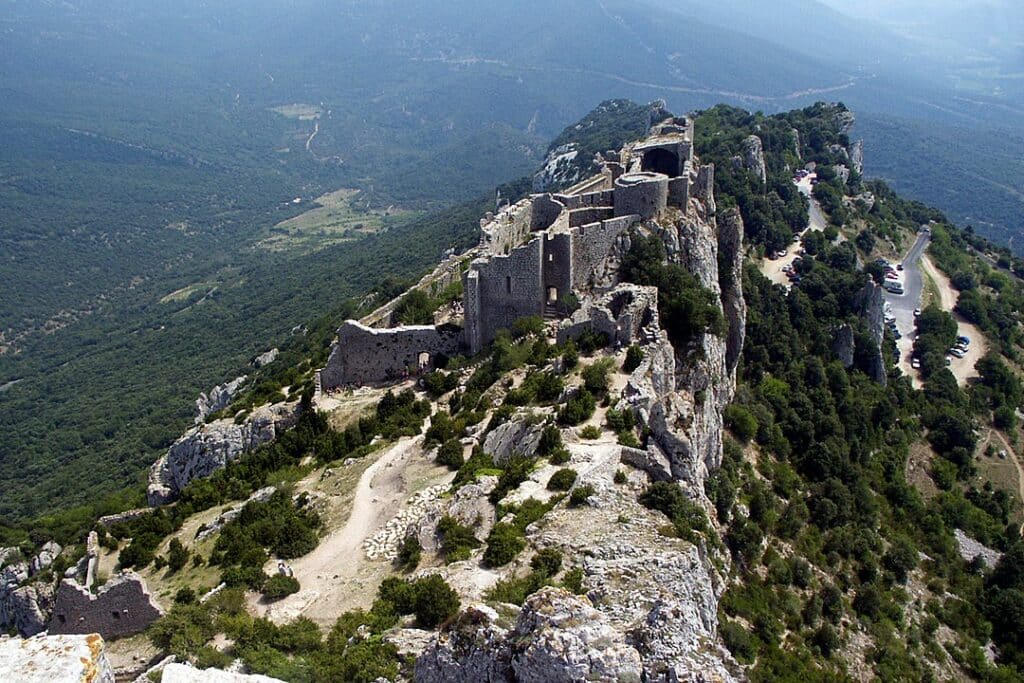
x=535, y=258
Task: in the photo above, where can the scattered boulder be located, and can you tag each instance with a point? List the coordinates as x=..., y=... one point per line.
x=182, y=673
x=510, y=438
x=47, y=554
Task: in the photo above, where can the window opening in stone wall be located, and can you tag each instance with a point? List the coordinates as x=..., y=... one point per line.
x=62, y=619
x=424, y=360
x=508, y=284
x=552, y=295
x=115, y=614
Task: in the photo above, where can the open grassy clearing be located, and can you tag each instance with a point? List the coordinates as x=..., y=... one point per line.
x=334, y=220
x=185, y=292
x=298, y=110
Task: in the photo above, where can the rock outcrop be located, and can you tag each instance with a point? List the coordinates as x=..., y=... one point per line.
x=55, y=659
x=265, y=358
x=209, y=447
x=871, y=305
x=511, y=438
x=752, y=158
x=218, y=398
x=25, y=605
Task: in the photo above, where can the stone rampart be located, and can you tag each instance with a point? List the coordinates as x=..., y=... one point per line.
x=447, y=272
x=587, y=215
x=121, y=608
x=506, y=288
x=363, y=354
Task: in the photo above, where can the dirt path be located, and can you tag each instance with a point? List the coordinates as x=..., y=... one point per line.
x=337, y=576
x=962, y=368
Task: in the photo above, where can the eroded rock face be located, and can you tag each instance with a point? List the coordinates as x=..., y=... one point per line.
x=871, y=302
x=207, y=448
x=474, y=649
x=512, y=437
x=730, y=281
x=218, y=398
x=753, y=157
x=47, y=554
x=27, y=609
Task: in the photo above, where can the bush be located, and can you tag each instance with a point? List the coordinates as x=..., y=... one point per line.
x=279, y=586
x=634, y=356
x=457, y=540
x=573, y=580
x=435, y=601
x=578, y=409
x=450, y=454
x=595, y=376
x=503, y=544
x=580, y=494
x=177, y=556
x=620, y=477
x=562, y=480
x=739, y=641
x=741, y=421
x=547, y=561
x=590, y=432
x=409, y=553
x=185, y=596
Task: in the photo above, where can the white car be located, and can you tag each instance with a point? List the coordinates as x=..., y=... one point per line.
x=917, y=312
x=915, y=363
x=958, y=352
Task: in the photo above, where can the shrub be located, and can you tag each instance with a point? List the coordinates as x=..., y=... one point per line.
x=634, y=356
x=578, y=409
x=595, y=376
x=457, y=540
x=185, y=596
x=571, y=355
x=517, y=469
x=562, y=480
x=503, y=544
x=532, y=324
x=590, y=432
x=435, y=601
x=573, y=580
x=515, y=590
x=450, y=454
x=620, y=477
x=177, y=555
x=741, y=421
x=547, y=561
x=279, y=586
x=739, y=641
x=409, y=553
x=580, y=494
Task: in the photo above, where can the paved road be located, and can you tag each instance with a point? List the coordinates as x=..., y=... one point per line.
x=903, y=305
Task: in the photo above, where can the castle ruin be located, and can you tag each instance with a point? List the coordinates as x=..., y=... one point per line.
x=534, y=258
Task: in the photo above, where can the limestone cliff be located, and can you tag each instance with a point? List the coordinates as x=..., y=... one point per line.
x=206, y=448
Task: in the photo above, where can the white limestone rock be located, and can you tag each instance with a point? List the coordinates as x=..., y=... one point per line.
x=217, y=398
x=210, y=447
x=55, y=659
x=182, y=673
x=47, y=554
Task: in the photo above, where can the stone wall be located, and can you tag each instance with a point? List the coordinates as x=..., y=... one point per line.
x=591, y=245
x=363, y=354
x=593, y=214
x=502, y=233
x=579, y=201
x=122, y=607
x=557, y=268
x=704, y=188
x=622, y=314
x=506, y=288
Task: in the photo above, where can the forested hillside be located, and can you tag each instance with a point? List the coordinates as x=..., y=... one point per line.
x=844, y=568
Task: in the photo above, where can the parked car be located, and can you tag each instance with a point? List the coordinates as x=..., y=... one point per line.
x=915, y=363
x=917, y=312
x=949, y=360
x=899, y=266
x=966, y=341
x=958, y=352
